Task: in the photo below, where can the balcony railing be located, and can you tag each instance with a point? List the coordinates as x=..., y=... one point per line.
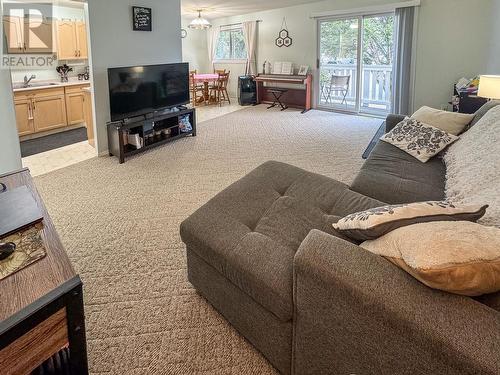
x=376, y=89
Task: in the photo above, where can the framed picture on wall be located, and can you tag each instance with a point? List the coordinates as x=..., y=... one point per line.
x=303, y=70
x=142, y=19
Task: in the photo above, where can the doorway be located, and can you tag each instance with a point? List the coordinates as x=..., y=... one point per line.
x=52, y=98
x=355, y=62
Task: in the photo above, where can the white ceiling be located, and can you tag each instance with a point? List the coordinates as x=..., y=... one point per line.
x=224, y=8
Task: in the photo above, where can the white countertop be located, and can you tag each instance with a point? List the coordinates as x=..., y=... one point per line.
x=50, y=84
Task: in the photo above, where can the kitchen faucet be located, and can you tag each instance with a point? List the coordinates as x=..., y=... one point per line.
x=28, y=80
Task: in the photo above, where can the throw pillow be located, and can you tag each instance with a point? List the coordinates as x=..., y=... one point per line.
x=420, y=140
x=450, y=122
x=376, y=222
x=481, y=112
x=473, y=167
x=457, y=257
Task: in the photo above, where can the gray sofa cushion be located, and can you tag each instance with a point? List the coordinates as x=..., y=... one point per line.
x=251, y=231
x=393, y=176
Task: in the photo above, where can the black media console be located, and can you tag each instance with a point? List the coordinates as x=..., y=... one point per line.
x=147, y=132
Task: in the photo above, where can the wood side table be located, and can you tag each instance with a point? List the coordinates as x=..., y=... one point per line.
x=41, y=306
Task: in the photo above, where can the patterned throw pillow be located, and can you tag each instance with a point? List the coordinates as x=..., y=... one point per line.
x=376, y=222
x=420, y=140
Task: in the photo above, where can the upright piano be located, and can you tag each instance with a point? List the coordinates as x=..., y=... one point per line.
x=299, y=94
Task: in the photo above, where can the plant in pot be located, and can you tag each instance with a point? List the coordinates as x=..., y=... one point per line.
x=63, y=71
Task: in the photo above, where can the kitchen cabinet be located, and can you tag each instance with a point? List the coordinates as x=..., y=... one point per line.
x=75, y=105
x=40, y=36
x=14, y=34
x=21, y=37
x=41, y=110
x=81, y=38
x=24, y=116
x=49, y=109
x=72, y=40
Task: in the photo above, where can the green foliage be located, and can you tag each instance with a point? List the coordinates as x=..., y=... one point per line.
x=378, y=40
x=231, y=45
x=339, y=41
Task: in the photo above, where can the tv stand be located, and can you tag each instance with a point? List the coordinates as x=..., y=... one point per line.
x=150, y=132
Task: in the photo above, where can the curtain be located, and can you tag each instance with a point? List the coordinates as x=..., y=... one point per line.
x=402, y=66
x=250, y=36
x=212, y=39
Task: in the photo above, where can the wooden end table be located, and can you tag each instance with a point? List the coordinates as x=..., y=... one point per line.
x=41, y=306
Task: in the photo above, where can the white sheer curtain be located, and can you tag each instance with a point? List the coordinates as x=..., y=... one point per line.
x=250, y=36
x=402, y=69
x=212, y=39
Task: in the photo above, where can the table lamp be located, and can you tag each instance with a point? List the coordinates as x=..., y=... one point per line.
x=489, y=87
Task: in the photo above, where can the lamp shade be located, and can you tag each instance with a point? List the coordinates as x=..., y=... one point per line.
x=489, y=87
x=199, y=23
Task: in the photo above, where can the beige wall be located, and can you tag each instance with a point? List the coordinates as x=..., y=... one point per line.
x=494, y=38
x=194, y=48
x=115, y=44
x=445, y=51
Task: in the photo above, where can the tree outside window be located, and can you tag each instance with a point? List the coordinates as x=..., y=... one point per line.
x=231, y=44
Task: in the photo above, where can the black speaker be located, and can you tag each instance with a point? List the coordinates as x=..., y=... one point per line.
x=247, y=90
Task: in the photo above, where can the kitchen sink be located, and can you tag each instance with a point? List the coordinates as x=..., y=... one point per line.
x=35, y=84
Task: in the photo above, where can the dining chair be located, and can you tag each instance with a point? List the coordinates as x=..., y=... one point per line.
x=215, y=88
x=340, y=84
x=219, y=91
x=224, y=95
x=194, y=88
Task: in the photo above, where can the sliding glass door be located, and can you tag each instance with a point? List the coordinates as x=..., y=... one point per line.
x=355, y=63
x=338, y=70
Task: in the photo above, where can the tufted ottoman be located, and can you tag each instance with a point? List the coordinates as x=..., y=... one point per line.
x=241, y=246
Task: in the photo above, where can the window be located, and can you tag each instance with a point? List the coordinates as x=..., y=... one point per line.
x=231, y=44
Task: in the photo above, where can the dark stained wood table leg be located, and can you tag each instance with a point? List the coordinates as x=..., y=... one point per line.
x=76, y=331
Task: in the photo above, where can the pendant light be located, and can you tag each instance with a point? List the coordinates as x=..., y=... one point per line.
x=199, y=23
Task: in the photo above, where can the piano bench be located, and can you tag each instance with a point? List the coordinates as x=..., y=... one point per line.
x=278, y=93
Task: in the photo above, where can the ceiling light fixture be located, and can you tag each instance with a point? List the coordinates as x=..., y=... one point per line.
x=199, y=23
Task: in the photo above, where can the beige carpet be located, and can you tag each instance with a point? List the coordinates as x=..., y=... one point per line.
x=120, y=226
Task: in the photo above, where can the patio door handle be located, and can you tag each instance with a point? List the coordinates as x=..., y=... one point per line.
x=317, y=63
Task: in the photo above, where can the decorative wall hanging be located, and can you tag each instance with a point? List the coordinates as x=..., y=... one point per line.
x=142, y=18
x=284, y=38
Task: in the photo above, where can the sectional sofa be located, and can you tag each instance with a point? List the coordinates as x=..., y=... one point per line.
x=264, y=253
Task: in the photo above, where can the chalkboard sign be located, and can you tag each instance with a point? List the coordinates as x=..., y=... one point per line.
x=142, y=19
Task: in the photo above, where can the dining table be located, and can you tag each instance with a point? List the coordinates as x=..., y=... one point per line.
x=205, y=78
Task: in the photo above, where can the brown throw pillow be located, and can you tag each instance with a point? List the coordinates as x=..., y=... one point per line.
x=457, y=257
x=376, y=222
